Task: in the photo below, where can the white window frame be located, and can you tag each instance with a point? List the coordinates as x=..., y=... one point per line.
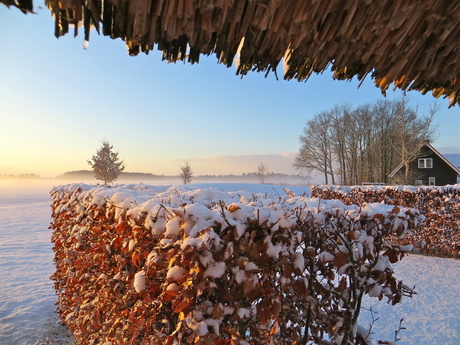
x=431, y=181
x=418, y=182
x=425, y=163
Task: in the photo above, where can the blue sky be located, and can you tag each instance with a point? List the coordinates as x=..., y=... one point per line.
x=59, y=101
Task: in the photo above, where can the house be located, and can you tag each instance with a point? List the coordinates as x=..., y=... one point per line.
x=426, y=167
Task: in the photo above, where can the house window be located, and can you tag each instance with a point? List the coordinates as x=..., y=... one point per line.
x=424, y=163
x=418, y=182
x=432, y=181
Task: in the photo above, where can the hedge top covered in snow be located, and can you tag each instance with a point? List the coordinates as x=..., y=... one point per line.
x=399, y=188
x=204, y=207
x=142, y=264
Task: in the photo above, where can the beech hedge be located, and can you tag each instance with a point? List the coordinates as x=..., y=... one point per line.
x=137, y=265
x=439, y=236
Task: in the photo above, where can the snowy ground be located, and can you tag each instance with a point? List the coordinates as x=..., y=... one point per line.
x=430, y=317
x=27, y=297
x=27, y=310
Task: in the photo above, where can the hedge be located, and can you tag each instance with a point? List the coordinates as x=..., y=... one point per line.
x=440, y=235
x=140, y=265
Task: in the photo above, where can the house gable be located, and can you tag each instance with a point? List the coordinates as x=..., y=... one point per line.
x=428, y=167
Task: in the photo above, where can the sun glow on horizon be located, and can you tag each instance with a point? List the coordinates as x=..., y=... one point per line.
x=59, y=101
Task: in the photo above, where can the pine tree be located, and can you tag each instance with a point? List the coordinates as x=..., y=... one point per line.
x=105, y=164
x=186, y=173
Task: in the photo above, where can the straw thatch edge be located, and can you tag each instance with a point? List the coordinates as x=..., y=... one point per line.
x=411, y=44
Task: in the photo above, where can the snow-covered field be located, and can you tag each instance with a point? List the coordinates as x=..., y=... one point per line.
x=27, y=310
x=27, y=297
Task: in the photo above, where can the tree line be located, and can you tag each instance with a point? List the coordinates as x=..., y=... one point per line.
x=20, y=176
x=107, y=166
x=350, y=146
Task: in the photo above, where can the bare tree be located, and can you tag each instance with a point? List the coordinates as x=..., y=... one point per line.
x=363, y=144
x=186, y=173
x=316, y=149
x=414, y=130
x=105, y=164
x=341, y=127
x=262, y=172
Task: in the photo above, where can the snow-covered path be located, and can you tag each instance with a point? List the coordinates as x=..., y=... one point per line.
x=27, y=297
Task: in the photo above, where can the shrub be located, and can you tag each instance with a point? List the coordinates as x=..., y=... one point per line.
x=439, y=235
x=138, y=266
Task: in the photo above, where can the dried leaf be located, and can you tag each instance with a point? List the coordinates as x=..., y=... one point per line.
x=392, y=255
x=233, y=208
x=121, y=227
x=276, y=309
x=222, y=342
x=180, y=305
x=340, y=259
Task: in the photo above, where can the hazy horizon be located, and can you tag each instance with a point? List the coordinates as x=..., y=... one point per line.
x=454, y=158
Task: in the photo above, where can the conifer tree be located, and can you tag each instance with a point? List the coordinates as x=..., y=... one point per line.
x=105, y=164
x=186, y=173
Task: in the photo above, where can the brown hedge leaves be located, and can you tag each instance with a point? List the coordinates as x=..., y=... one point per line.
x=186, y=268
x=440, y=233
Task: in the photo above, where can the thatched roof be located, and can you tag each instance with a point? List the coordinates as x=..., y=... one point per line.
x=411, y=43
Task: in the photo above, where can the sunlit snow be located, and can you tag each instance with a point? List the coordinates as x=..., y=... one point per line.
x=27, y=298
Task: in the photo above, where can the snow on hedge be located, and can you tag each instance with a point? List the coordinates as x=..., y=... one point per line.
x=440, y=235
x=153, y=265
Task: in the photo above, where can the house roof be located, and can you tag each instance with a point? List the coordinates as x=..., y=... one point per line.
x=415, y=153
x=411, y=43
